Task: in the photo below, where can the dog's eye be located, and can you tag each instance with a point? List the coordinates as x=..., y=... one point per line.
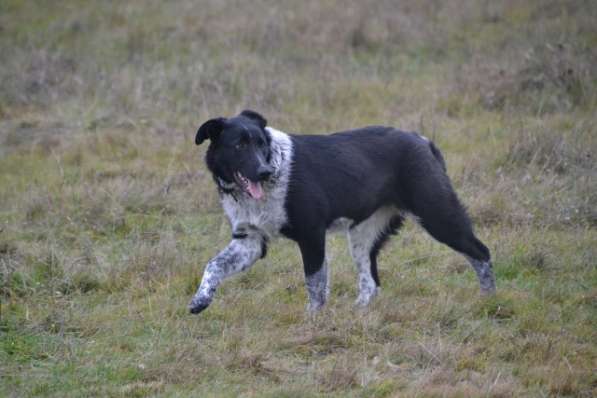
x=240, y=146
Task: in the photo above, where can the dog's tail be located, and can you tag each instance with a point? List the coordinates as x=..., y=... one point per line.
x=438, y=155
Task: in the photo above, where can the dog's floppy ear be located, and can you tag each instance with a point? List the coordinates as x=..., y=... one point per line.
x=249, y=114
x=210, y=129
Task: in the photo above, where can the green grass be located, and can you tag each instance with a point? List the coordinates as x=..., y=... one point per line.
x=108, y=215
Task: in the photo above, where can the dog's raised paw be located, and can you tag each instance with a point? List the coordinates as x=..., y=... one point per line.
x=195, y=308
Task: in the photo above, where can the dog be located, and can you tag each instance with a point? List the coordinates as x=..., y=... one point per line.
x=363, y=181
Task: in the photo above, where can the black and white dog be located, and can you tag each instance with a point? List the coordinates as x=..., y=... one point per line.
x=361, y=181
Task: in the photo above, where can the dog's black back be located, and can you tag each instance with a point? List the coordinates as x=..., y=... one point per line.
x=352, y=174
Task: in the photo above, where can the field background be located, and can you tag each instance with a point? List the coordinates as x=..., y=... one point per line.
x=108, y=215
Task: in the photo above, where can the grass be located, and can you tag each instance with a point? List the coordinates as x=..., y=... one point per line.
x=107, y=214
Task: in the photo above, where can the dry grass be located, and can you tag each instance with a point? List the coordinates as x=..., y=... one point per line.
x=107, y=214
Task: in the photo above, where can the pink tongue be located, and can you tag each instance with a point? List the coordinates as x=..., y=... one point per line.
x=255, y=190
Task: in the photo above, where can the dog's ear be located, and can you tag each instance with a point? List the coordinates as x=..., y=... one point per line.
x=249, y=114
x=210, y=129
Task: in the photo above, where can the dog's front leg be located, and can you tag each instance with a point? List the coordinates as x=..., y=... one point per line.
x=238, y=256
x=316, y=271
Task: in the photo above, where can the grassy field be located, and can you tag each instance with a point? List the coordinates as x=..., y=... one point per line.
x=108, y=215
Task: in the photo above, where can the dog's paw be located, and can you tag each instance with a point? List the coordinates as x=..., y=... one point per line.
x=366, y=297
x=488, y=290
x=361, y=302
x=196, y=306
x=312, y=309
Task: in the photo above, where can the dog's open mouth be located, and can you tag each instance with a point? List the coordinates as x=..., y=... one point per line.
x=254, y=189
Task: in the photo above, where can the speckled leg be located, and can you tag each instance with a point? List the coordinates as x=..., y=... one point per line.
x=362, y=239
x=484, y=272
x=316, y=270
x=318, y=288
x=359, y=249
x=238, y=256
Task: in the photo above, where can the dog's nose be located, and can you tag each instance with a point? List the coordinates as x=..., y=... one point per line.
x=264, y=172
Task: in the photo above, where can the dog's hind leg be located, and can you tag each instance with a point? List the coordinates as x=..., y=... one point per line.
x=446, y=220
x=484, y=271
x=365, y=241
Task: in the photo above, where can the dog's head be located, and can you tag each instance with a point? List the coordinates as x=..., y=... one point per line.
x=239, y=151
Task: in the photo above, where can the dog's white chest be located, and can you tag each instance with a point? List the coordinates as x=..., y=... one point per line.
x=247, y=214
